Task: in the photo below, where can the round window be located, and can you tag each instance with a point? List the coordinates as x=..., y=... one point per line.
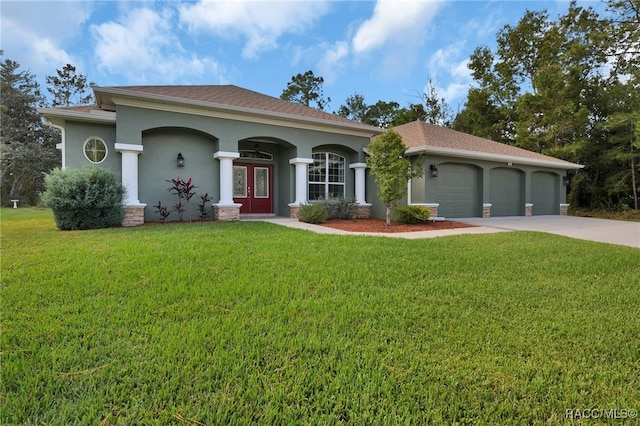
x=95, y=150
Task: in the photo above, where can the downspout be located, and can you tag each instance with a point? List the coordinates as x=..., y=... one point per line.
x=62, y=145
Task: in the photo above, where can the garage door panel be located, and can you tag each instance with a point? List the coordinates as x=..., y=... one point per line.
x=545, y=193
x=505, y=192
x=457, y=190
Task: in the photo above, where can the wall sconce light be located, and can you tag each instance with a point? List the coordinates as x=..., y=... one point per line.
x=180, y=160
x=434, y=170
x=565, y=180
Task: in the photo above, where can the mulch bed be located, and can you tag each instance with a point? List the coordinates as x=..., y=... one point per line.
x=379, y=225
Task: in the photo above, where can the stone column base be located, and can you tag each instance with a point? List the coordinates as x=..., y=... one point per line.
x=226, y=213
x=293, y=210
x=134, y=215
x=363, y=211
x=564, y=209
x=486, y=210
x=528, y=209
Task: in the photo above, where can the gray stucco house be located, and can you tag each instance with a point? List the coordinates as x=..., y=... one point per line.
x=259, y=155
x=252, y=153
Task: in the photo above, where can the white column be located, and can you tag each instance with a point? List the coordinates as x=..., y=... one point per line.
x=130, y=171
x=302, y=175
x=359, y=169
x=226, y=177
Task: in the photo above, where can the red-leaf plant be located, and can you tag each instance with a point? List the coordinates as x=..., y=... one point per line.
x=185, y=190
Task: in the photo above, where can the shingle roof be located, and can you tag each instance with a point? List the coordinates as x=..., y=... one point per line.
x=229, y=96
x=419, y=136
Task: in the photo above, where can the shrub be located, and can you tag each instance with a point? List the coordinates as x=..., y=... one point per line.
x=340, y=208
x=312, y=213
x=412, y=214
x=86, y=198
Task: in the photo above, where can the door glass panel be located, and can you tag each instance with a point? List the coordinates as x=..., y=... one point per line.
x=239, y=182
x=261, y=182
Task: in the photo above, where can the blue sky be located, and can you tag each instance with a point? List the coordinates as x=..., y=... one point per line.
x=384, y=50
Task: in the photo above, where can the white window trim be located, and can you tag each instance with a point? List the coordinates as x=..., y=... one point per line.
x=326, y=182
x=84, y=149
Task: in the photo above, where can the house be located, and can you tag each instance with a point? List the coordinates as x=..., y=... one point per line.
x=468, y=176
x=254, y=154
x=251, y=153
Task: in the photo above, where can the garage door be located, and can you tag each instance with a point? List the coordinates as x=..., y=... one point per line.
x=457, y=190
x=544, y=193
x=505, y=192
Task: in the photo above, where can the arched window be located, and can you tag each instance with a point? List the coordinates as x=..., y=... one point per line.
x=326, y=176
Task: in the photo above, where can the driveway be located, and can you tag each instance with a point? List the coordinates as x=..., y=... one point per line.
x=583, y=228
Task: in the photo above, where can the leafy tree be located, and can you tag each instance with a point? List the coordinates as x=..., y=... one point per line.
x=436, y=109
x=27, y=146
x=558, y=87
x=306, y=89
x=625, y=35
x=382, y=114
x=391, y=169
x=354, y=108
x=482, y=117
x=69, y=88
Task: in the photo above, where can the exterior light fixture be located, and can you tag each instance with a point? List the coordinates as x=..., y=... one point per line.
x=565, y=180
x=256, y=147
x=180, y=160
x=434, y=170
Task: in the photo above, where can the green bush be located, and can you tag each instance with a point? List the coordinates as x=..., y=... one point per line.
x=412, y=214
x=340, y=208
x=87, y=198
x=312, y=213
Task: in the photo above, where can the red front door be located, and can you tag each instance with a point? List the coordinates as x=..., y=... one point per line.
x=253, y=187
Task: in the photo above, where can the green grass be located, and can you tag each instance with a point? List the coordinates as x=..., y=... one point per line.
x=237, y=323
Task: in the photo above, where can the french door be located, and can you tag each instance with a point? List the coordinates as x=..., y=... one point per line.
x=253, y=187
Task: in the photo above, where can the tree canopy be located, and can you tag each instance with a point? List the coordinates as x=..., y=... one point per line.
x=306, y=89
x=27, y=145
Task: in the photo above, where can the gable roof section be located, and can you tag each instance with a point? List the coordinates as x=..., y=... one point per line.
x=227, y=99
x=422, y=137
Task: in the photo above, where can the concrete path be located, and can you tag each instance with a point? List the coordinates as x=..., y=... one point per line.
x=584, y=228
x=600, y=230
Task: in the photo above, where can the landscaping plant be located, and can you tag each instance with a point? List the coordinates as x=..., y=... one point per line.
x=85, y=198
x=312, y=213
x=391, y=169
x=412, y=214
x=202, y=205
x=185, y=190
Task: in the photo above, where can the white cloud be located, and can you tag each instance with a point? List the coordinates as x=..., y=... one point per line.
x=260, y=22
x=331, y=62
x=35, y=39
x=143, y=48
x=399, y=22
x=446, y=64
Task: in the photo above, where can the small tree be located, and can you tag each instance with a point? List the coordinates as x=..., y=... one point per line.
x=391, y=169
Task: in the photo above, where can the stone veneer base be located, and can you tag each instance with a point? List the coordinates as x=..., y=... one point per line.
x=363, y=211
x=133, y=215
x=293, y=211
x=226, y=213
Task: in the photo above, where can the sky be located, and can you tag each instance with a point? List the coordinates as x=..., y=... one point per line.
x=384, y=50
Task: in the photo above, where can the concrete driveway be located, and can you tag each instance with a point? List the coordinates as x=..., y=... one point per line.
x=584, y=228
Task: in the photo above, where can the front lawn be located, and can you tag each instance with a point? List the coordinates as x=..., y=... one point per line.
x=243, y=323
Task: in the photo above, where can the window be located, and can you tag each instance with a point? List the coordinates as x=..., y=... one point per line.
x=95, y=150
x=326, y=176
